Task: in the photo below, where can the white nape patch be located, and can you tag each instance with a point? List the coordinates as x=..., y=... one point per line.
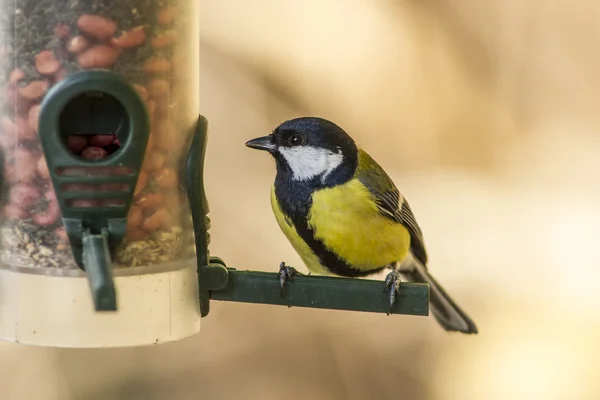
x=307, y=162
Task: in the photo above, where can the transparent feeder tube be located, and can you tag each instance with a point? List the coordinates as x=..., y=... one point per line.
x=44, y=296
x=149, y=43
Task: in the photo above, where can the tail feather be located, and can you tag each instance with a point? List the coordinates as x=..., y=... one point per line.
x=447, y=313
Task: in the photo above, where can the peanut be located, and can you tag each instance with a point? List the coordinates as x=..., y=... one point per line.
x=101, y=56
x=98, y=27
x=130, y=39
x=76, y=143
x=78, y=44
x=160, y=219
x=35, y=90
x=102, y=140
x=158, y=87
x=156, y=65
x=150, y=201
x=46, y=63
x=166, y=15
x=94, y=153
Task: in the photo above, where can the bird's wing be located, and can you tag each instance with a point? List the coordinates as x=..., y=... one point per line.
x=390, y=202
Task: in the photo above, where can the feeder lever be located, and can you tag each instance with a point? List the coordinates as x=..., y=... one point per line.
x=97, y=264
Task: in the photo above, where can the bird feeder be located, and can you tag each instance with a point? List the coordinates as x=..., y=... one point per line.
x=104, y=227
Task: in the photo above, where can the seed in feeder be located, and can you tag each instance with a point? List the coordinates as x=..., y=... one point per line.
x=94, y=153
x=102, y=140
x=24, y=195
x=78, y=44
x=61, y=234
x=129, y=39
x=61, y=31
x=100, y=56
x=76, y=143
x=34, y=90
x=46, y=63
x=96, y=26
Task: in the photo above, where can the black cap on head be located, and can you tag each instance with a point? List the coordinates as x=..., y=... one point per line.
x=314, y=132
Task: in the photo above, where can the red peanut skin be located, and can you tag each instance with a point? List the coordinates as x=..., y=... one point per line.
x=102, y=140
x=94, y=153
x=96, y=26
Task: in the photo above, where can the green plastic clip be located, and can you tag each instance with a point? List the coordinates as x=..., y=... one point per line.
x=89, y=103
x=212, y=273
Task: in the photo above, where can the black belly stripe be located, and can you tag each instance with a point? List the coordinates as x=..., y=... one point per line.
x=295, y=200
x=329, y=259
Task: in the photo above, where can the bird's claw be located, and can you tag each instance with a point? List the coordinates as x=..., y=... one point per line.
x=392, y=287
x=285, y=273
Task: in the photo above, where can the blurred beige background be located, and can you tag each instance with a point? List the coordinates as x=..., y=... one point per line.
x=484, y=115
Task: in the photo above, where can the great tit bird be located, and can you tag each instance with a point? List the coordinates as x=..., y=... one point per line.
x=344, y=216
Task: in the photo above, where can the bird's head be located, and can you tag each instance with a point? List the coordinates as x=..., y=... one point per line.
x=308, y=147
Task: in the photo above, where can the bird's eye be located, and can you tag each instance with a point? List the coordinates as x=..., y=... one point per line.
x=296, y=140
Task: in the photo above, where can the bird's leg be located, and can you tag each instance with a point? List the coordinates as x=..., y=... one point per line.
x=286, y=273
x=392, y=285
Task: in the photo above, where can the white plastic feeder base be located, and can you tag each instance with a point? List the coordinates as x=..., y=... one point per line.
x=155, y=305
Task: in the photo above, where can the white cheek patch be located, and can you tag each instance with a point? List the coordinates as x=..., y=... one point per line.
x=307, y=162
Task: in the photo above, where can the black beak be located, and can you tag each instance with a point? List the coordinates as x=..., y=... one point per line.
x=262, y=143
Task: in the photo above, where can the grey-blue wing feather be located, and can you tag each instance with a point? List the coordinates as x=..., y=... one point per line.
x=392, y=204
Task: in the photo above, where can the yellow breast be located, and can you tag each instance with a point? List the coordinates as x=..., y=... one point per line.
x=348, y=222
